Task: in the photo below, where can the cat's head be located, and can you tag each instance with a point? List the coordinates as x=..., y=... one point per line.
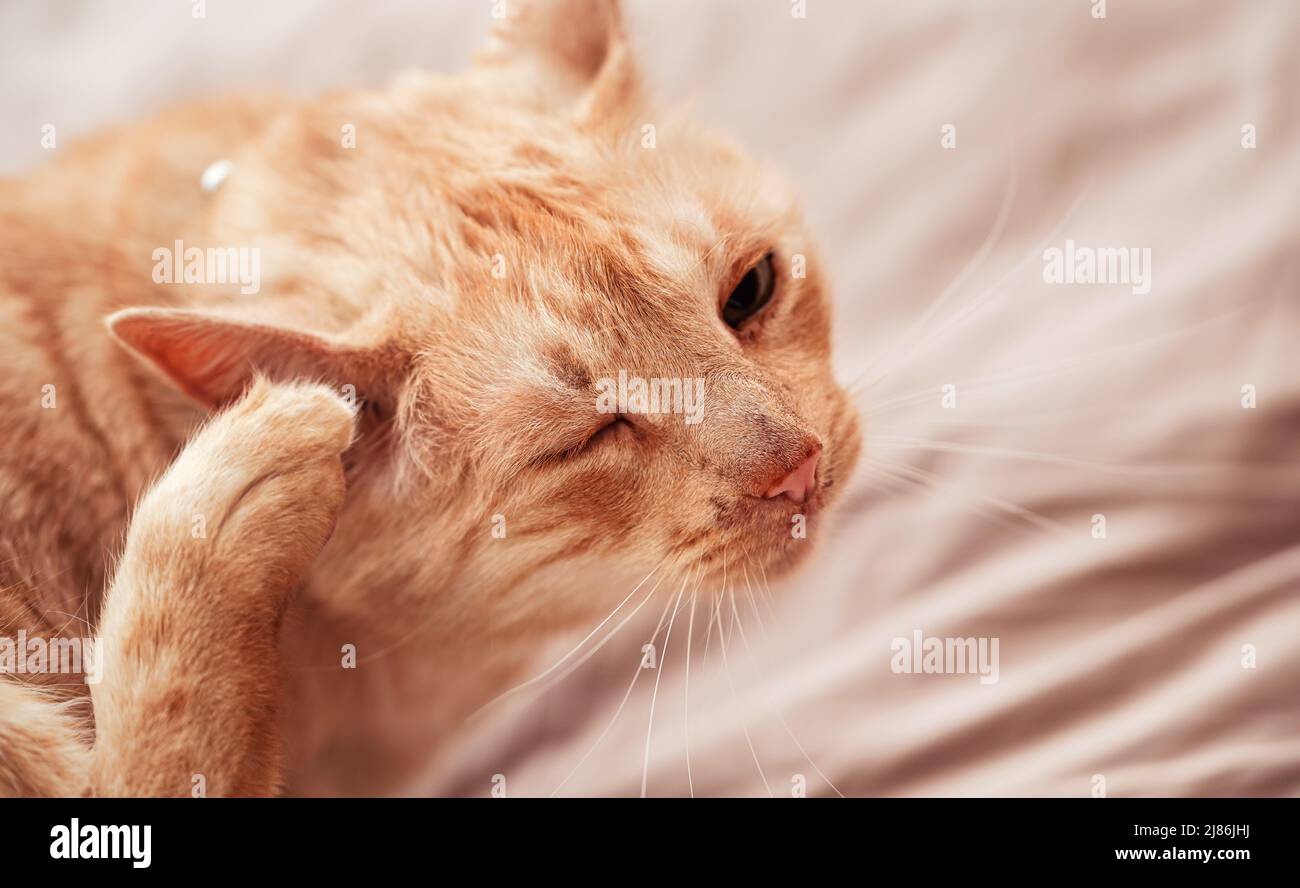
x=582, y=326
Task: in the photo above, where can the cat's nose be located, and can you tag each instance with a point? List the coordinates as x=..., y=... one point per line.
x=799, y=482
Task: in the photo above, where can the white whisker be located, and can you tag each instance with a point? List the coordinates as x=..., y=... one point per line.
x=995, y=233
x=660, y=665
x=622, y=703
x=935, y=481
x=1088, y=361
x=753, y=604
x=556, y=665
x=744, y=728
x=686, y=697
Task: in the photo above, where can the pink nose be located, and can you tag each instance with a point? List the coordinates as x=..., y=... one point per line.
x=797, y=484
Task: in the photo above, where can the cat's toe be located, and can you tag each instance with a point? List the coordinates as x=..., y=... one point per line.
x=255, y=491
x=287, y=418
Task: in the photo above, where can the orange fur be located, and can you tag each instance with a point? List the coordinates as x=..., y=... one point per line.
x=476, y=397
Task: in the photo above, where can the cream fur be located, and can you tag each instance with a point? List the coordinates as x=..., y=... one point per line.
x=475, y=401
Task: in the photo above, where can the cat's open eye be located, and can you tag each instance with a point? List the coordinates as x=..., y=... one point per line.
x=752, y=293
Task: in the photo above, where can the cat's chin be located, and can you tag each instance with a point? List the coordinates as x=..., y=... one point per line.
x=774, y=551
x=787, y=559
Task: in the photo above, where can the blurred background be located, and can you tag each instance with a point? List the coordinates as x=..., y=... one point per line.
x=941, y=148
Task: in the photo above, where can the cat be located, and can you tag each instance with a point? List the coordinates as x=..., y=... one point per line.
x=390, y=457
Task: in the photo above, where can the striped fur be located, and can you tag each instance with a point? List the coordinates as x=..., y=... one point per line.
x=492, y=245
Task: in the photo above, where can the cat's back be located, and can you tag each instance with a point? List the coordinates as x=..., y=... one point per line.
x=83, y=427
x=64, y=472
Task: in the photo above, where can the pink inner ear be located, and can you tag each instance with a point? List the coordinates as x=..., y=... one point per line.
x=213, y=359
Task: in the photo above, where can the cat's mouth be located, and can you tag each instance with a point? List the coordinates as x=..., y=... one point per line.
x=765, y=535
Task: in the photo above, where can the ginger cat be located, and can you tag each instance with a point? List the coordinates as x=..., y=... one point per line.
x=439, y=302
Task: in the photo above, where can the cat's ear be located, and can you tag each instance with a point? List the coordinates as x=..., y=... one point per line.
x=213, y=358
x=575, y=51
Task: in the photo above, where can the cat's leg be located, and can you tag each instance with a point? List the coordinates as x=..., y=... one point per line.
x=190, y=689
x=42, y=748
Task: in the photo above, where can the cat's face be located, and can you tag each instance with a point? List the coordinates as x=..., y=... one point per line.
x=510, y=265
x=680, y=271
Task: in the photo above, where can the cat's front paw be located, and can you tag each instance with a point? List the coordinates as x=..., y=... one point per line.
x=290, y=419
x=253, y=496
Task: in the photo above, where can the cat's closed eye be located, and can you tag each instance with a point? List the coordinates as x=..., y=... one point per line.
x=614, y=430
x=617, y=429
x=751, y=294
